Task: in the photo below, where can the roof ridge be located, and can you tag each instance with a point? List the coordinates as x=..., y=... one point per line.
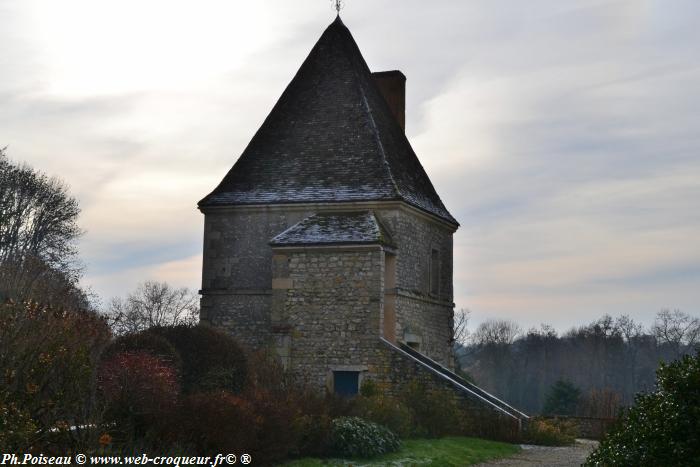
x=375, y=130
x=368, y=111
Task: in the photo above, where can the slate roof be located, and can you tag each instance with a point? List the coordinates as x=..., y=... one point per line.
x=335, y=229
x=330, y=138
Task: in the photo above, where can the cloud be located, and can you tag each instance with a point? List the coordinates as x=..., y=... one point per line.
x=562, y=135
x=569, y=154
x=183, y=272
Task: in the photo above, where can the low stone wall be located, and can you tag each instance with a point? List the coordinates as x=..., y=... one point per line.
x=588, y=427
x=396, y=370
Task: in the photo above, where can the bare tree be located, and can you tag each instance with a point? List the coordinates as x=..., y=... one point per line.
x=610, y=359
x=38, y=217
x=153, y=304
x=460, y=331
x=628, y=328
x=677, y=329
x=38, y=234
x=498, y=332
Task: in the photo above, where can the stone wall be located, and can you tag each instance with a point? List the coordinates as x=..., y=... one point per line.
x=431, y=321
x=415, y=236
x=240, y=292
x=588, y=427
x=419, y=312
x=393, y=371
x=245, y=315
x=237, y=272
x=332, y=302
x=236, y=251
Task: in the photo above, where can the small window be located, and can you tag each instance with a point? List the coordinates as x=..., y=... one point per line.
x=346, y=383
x=434, y=272
x=412, y=340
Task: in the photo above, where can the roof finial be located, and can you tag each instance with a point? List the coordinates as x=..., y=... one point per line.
x=338, y=5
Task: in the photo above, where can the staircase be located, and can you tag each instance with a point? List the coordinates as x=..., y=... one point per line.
x=471, y=390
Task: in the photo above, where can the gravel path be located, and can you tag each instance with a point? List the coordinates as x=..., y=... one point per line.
x=531, y=456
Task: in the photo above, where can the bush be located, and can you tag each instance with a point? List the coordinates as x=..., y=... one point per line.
x=275, y=415
x=220, y=378
x=355, y=437
x=138, y=389
x=663, y=427
x=369, y=389
x=435, y=413
x=17, y=430
x=47, y=372
x=550, y=432
x=217, y=422
x=210, y=418
x=386, y=411
x=148, y=342
x=562, y=399
x=214, y=422
x=313, y=434
x=211, y=359
x=281, y=402
x=271, y=419
x=482, y=422
x=600, y=403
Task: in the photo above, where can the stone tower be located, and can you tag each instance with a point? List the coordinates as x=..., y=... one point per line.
x=326, y=240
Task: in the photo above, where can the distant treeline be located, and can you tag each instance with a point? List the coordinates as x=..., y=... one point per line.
x=604, y=363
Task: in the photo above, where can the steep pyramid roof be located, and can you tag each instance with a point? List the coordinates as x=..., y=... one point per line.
x=331, y=137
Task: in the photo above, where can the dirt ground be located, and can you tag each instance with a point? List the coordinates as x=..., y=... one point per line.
x=531, y=456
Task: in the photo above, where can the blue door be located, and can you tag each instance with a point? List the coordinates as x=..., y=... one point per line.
x=346, y=383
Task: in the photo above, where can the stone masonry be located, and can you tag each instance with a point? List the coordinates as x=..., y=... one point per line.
x=326, y=239
x=322, y=307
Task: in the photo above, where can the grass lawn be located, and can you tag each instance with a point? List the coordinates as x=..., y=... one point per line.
x=451, y=451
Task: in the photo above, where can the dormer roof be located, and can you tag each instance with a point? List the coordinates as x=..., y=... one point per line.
x=327, y=228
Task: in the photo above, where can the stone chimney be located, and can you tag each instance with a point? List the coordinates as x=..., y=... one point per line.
x=392, y=84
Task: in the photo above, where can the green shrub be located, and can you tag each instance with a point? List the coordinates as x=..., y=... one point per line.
x=369, y=388
x=211, y=359
x=386, y=411
x=562, y=399
x=663, y=427
x=355, y=437
x=550, y=432
x=313, y=434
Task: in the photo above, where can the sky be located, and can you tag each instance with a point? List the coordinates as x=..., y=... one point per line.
x=564, y=136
